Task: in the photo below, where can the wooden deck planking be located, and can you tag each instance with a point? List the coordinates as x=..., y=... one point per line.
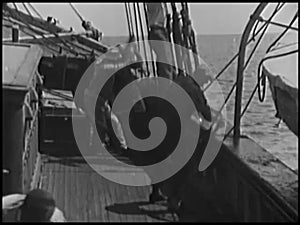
x=86, y=196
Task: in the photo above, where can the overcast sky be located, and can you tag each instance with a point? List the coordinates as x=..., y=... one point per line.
x=207, y=18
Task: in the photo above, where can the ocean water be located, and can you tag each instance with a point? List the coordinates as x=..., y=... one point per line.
x=259, y=120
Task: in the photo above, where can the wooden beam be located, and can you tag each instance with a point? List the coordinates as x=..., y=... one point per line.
x=80, y=37
x=91, y=43
x=42, y=24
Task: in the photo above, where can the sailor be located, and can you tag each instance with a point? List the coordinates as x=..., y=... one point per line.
x=175, y=187
x=157, y=20
x=126, y=75
x=157, y=24
x=36, y=206
x=95, y=33
x=102, y=109
x=115, y=62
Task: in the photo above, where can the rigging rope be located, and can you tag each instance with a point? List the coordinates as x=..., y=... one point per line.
x=148, y=30
x=66, y=43
x=255, y=46
x=95, y=33
x=256, y=87
x=192, y=38
x=20, y=17
x=76, y=12
x=262, y=96
x=136, y=25
x=170, y=39
x=237, y=54
x=27, y=10
x=40, y=33
x=130, y=18
x=36, y=12
x=186, y=38
x=33, y=36
x=128, y=21
x=177, y=37
x=283, y=33
x=16, y=7
x=262, y=82
x=261, y=78
x=277, y=8
x=278, y=24
x=143, y=38
x=261, y=36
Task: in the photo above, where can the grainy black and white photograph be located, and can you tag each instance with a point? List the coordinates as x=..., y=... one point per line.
x=150, y=112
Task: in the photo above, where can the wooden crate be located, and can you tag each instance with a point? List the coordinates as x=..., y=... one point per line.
x=56, y=123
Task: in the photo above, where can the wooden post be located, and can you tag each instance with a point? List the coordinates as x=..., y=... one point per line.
x=15, y=33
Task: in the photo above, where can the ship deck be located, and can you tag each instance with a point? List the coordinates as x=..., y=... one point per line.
x=84, y=195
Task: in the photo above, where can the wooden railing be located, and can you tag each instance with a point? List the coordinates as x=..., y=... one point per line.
x=246, y=184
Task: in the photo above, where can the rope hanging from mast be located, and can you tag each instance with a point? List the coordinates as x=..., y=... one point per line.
x=143, y=38
x=27, y=24
x=128, y=20
x=148, y=32
x=136, y=25
x=169, y=31
x=76, y=12
x=36, y=12
x=177, y=37
x=186, y=33
x=26, y=8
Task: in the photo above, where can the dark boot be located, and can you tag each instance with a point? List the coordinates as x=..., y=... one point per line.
x=156, y=196
x=174, y=203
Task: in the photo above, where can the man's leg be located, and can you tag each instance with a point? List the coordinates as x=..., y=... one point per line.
x=155, y=195
x=101, y=123
x=118, y=131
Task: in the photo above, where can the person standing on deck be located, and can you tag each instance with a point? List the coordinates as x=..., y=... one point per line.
x=176, y=186
x=113, y=61
x=36, y=206
x=103, y=110
x=157, y=20
x=158, y=32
